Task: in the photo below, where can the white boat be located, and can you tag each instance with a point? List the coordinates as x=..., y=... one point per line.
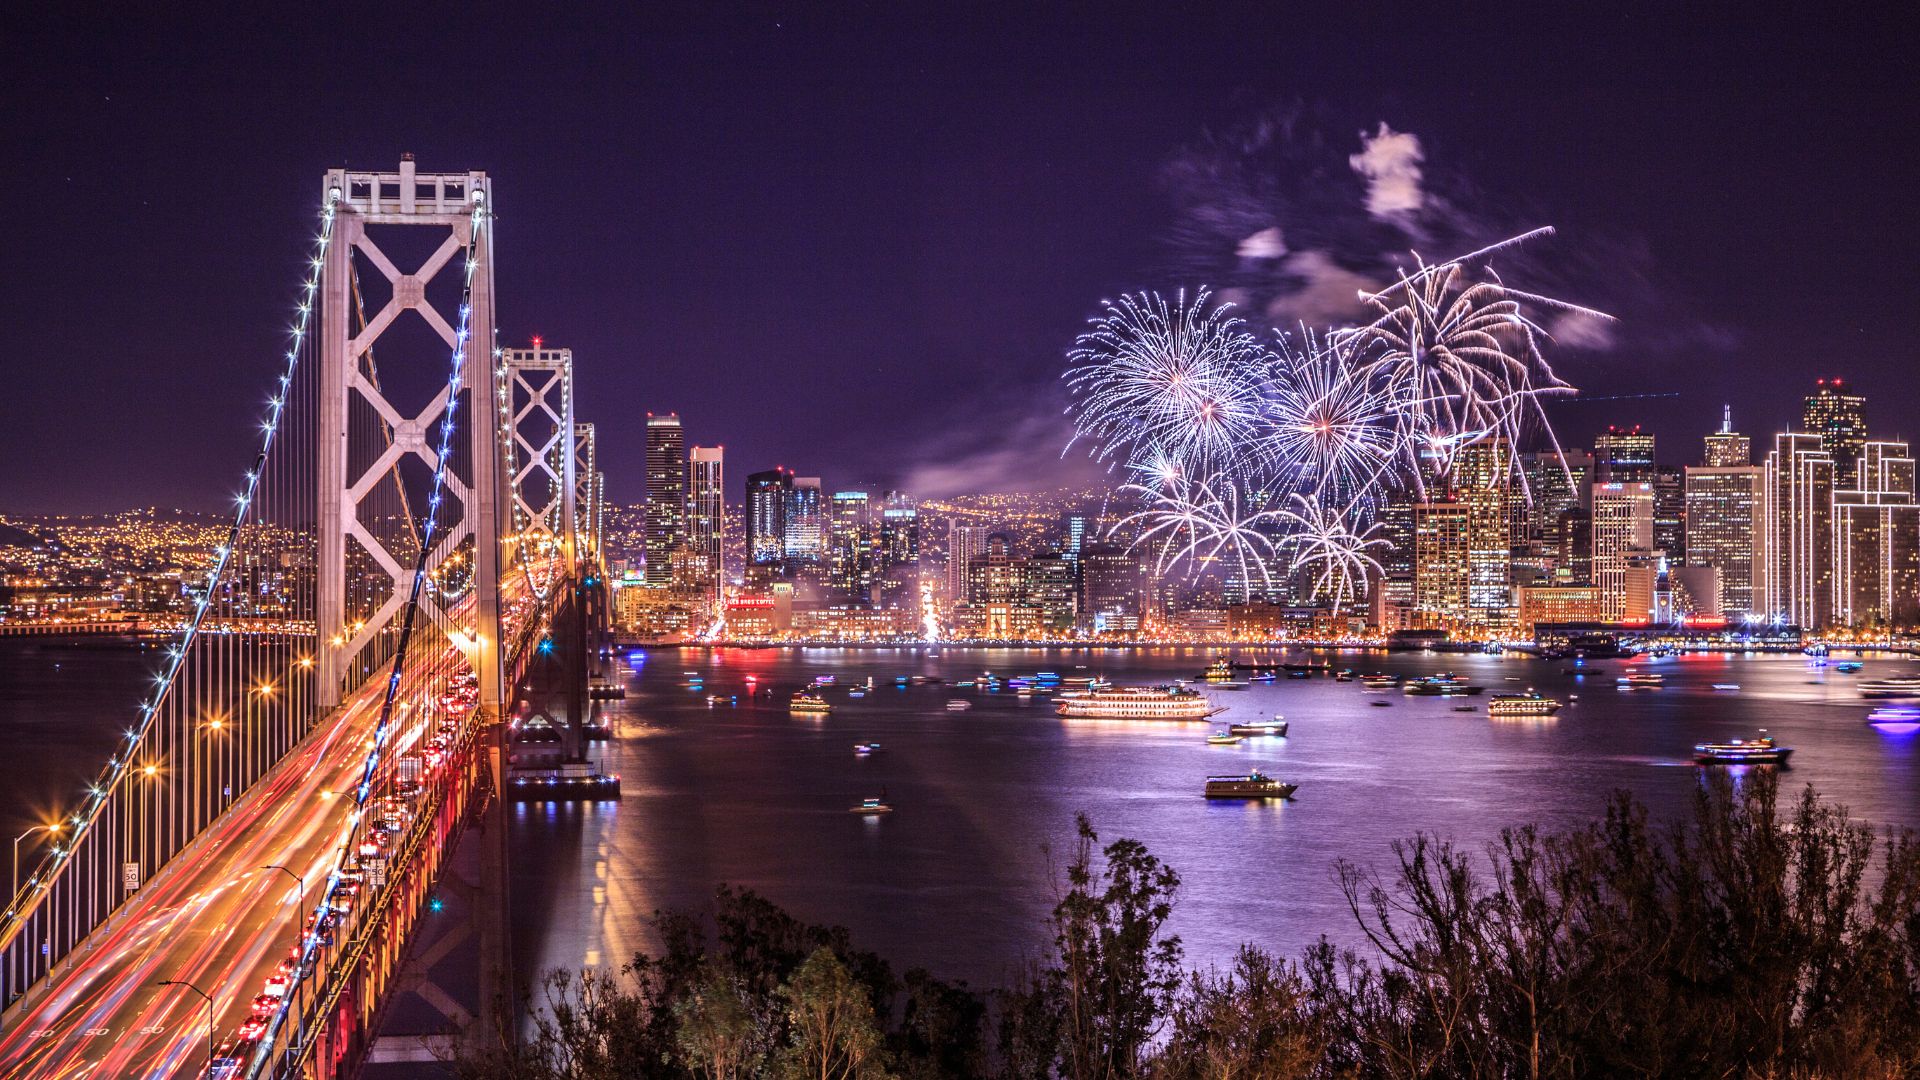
x=1137, y=703
x=1900, y=686
x=958, y=704
x=1527, y=704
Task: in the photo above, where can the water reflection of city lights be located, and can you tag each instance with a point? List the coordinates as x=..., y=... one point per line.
x=1895, y=719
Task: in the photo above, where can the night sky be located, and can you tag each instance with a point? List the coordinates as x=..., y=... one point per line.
x=856, y=240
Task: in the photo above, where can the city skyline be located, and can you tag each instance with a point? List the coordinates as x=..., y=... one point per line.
x=921, y=336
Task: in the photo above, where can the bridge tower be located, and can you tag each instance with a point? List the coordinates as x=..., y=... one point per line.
x=370, y=438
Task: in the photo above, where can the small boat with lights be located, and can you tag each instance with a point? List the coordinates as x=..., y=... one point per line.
x=872, y=805
x=1728, y=687
x=1254, y=785
x=1900, y=686
x=1377, y=681
x=1761, y=750
x=1527, y=704
x=1274, y=727
x=866, y=749
x=1137, y=703
x=1849, y=667
x=1641, y=680
x=1223, y=738
x=1220, y=671
x=804, y=702
x=958, y=704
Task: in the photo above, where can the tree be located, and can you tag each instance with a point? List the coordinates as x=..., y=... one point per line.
x=720, y=1034
x=833, y=1035
x=1255, y=1022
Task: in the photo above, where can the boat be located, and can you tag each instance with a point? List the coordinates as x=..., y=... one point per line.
x=1269, y=727
x=1441, y=685
x=856, y=693
x=1848, y=667
x=1726, y=686
x=1756, y=751
x=825, y=680
x=1234, y=685
x=1465, y=708
x=1379, y=682
x=804, y=702
x=1137, y=703
x=1254, y=785
x=958, y=704
x=1223, y=738
x=1221, y=670
x=1343, y=675
x=1383, y=703
x=865, y=748
x=1647, y=680
x=1263, y=676
x=1299, y=673
x=1527, y=704
x=1900, y=686
x=870, y=806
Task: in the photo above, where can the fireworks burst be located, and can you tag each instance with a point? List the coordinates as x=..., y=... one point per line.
x=1176, y=382
x=1321, y=541
x=1334, y=433
x=1203, y=525
x=1455, y=344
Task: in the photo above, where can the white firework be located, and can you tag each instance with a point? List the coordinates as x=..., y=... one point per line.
x=1322, y=541
x=1334, y=430
x=1180, y=382
x=1459, y=351
x=1202, y=525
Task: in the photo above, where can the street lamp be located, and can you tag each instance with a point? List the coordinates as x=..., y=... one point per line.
x=209, y=1000
x=53, y=828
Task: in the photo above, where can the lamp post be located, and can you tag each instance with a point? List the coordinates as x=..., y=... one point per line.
x=53, y=828
x=209, y=1000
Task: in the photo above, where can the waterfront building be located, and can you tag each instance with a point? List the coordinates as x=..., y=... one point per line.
x=666, y=513
x=707, y=511
x=1798, y=531
x=1484, y=472
x=1622, y=528
x=1558, y=603
x=1113, y=589
x=1840, y=419
x=1726, y=511
x=1876, y=541
x=1442, y=561
x=965, y=544
x=766, y=503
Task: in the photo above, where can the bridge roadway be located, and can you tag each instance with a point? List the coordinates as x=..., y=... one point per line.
x=213, y=918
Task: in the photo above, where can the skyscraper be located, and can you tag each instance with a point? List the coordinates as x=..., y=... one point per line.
x=965, y=545
x=1623, y=455
x=850, y=545
x=666, y=519
x=1876, y=541
x=1484, y=470
x=806, y=535
x=1442, y=556
x=1622, y=531
x=1841, y=422
x=1726, y=508
x=1728, y=448
x=1670, y=512
x=707, y=509
x=1799, y=531
x=767, y=516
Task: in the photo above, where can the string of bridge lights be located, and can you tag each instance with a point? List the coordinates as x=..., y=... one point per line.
x=118, y=765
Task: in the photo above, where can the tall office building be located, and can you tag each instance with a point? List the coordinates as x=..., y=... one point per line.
x=1876, y=541
x=1484, y=471
x=1554, y=482
x=806, y=535
x=1623, y=455
x=1670, y=512
x=851, y=555
x=766, y=502
x=1442, y=560
x=1840, y=419
x=1726, y=509
x=1728, y=448
x=666, y=517
x=966, y=544
x=1622, y=533
x=707, y=509
x=1799, y=531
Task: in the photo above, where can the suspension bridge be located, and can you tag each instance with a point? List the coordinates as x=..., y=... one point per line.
x=394, y=640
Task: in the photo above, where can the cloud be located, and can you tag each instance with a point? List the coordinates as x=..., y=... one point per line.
x=1266, y=244
x=1000, y=453
x=1572, y=330
x=1390, y=161
x=1326, y=293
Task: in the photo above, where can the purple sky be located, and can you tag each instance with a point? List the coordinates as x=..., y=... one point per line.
x=857, y=239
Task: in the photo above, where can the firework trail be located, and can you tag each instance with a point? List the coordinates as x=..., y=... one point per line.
x=1176, y=383
x=1321, y=541
x=1203, y=525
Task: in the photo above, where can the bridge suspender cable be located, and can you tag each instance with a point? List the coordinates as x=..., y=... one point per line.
x=122, y=763
x=310, y=942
